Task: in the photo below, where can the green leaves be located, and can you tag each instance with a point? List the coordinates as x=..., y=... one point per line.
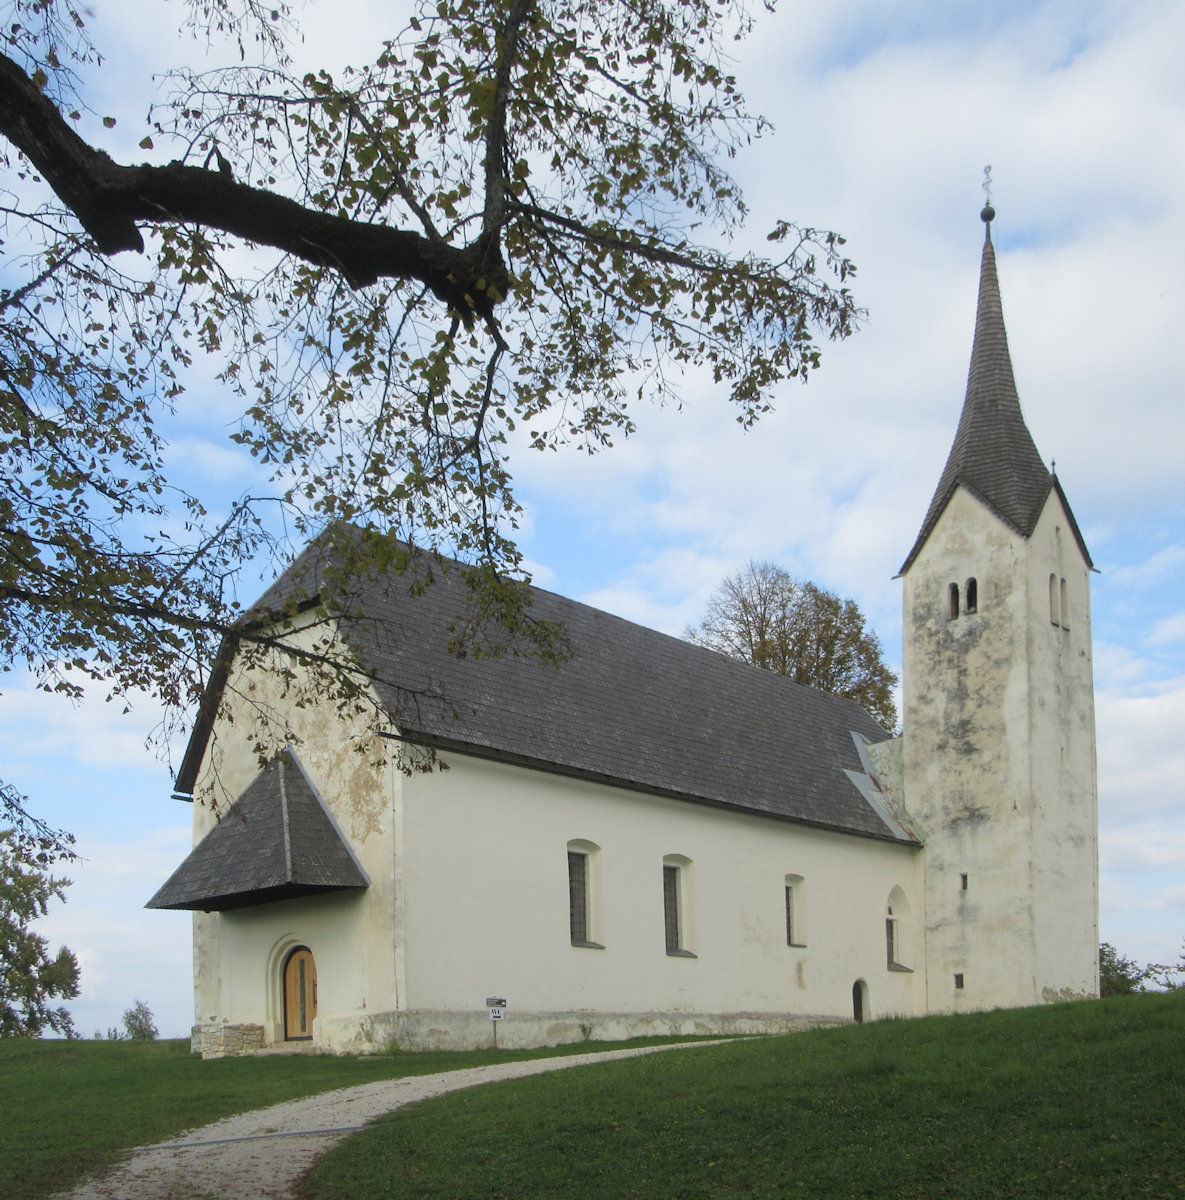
x=30, y=976
x=517, y=218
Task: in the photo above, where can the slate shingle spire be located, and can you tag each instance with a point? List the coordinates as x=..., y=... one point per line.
x=993, y=454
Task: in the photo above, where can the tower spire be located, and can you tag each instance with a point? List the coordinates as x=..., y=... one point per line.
x=993, y=455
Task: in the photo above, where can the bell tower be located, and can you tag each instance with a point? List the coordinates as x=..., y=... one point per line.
x=999, y=748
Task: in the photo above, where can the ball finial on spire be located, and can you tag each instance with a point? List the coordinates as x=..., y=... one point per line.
x=987, y=215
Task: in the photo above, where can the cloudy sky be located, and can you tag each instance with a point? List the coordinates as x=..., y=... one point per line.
x=885, y=113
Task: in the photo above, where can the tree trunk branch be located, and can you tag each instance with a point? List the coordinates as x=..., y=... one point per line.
x=110, y=200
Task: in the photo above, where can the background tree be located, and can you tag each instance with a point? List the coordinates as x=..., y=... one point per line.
x=513, y=222
x=762, y=615
x=30, y=978
x=1118, y=975
x=1122, y=976
x=138, y=1023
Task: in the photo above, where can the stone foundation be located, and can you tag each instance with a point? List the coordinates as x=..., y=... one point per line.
x=444, y=1030
x=432, y=1029
x=226, y=1041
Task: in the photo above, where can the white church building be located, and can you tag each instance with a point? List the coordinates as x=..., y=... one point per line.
x=652, y=837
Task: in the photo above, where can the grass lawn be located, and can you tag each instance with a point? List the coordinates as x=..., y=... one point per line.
x=69, y=1108
x=1077, y=1100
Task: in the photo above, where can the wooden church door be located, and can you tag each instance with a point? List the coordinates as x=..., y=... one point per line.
x=300, y=995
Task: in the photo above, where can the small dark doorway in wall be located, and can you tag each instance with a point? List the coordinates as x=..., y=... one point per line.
x=300, y=995
x=859, y=1001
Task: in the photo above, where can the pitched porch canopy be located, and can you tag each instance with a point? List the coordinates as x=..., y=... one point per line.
x=278, y=841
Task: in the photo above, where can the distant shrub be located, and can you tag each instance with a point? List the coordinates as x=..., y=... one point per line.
x=138, y=1024
x=1121, y=976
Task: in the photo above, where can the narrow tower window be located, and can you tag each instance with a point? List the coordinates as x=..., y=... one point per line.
x=1054, y=601
x=1065, y=605
x=954, y=601
x=972, y=596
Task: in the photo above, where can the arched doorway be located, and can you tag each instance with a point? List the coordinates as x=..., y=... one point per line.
x=860, y=1001
x=300, y=995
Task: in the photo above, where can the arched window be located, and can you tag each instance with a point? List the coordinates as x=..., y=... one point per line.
x=953, y=601
x=971, y=602
x=897, y=931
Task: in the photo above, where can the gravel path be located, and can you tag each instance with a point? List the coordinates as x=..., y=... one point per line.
x=261, y=1154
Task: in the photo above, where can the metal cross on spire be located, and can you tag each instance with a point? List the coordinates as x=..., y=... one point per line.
x=988, y=213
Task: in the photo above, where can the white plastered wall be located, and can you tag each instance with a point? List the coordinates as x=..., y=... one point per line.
x=239, y=955
x=486, y=894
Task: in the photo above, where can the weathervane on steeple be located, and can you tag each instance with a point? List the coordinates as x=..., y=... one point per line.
x=988, y=213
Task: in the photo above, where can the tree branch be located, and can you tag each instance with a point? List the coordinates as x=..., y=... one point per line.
x=110, y=199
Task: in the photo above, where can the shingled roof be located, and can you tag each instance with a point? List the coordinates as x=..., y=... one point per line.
x=276, y=842
x=993, y=454
x=632, y=708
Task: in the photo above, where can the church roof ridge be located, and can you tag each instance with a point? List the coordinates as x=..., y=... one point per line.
x=993, y=454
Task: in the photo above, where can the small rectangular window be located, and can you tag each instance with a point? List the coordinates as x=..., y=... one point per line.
x=963, y=883
x=789, y=914
x=959, y=982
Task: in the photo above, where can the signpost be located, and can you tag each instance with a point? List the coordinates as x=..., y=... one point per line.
x=497, y=1007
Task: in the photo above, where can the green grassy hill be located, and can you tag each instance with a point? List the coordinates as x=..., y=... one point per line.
x=67, y=1109
x=1073, y=1101
x=1077, y=1100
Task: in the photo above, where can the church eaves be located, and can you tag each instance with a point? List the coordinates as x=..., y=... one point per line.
x=993, y=455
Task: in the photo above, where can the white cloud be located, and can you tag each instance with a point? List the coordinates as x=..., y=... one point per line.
x=1141, y=753
x=38, y=725
x=1168, y=631
x=1147, y=845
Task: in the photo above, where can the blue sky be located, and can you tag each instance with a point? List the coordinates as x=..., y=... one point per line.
x=885, y=114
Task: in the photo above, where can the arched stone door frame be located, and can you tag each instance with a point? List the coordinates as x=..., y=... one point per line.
x=860, y=1008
